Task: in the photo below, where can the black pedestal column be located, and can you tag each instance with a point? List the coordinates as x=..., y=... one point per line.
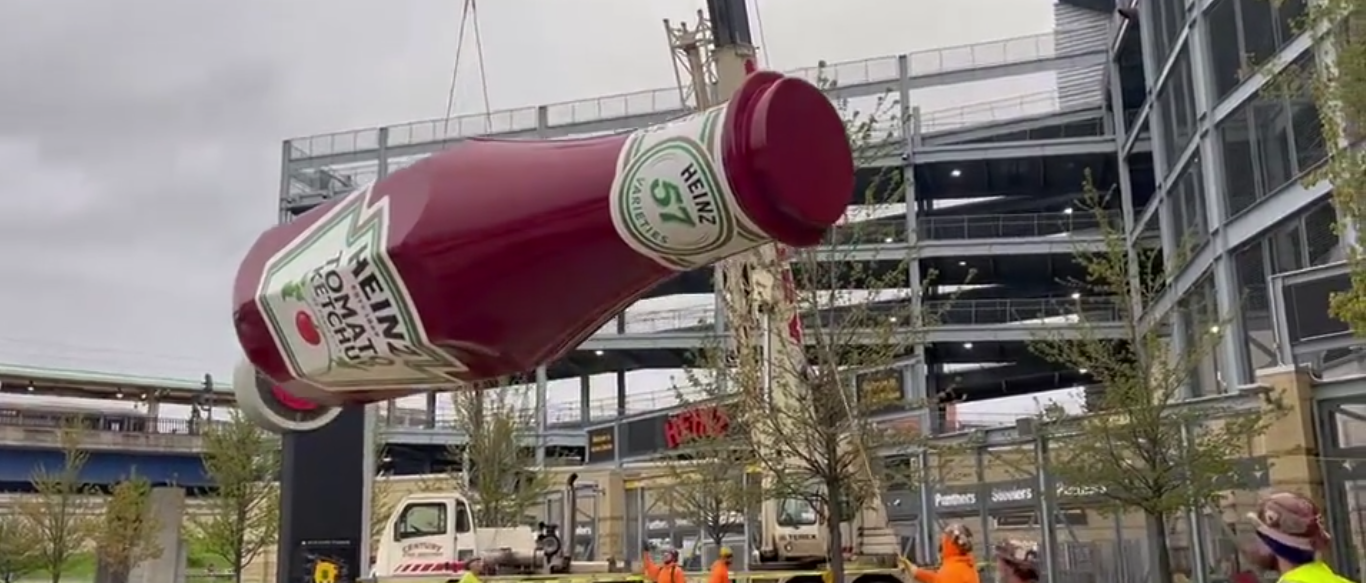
x=323, y=502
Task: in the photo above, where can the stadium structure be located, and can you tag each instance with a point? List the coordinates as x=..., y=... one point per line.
x=1153, y=100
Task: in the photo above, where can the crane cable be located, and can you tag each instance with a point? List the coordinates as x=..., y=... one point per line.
x=483, y=71
x=763, y=39
x=470, y=10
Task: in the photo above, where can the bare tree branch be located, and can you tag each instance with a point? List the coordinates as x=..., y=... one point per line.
x=707, y=483
x=499, y=473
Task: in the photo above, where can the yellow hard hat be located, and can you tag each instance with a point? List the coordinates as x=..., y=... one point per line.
x=725, y=552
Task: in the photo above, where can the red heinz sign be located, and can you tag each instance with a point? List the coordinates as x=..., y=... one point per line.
x=699, y=422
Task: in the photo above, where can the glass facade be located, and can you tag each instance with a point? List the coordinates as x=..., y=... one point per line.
x=1235, y=143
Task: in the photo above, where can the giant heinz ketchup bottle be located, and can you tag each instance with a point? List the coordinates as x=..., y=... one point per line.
x=496, y=256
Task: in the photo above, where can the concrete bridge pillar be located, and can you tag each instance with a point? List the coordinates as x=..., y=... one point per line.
x=168, y=509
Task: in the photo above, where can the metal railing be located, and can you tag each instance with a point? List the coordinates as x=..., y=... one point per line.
x=957, y=312
x=1019, y=311
x=1029, y=104
x=961, y=227
x=1017, y=50
x=341, y=180
x=697, y=317
x=966, y=227
x=563, y=414
x=865, y=232
x=130, y=422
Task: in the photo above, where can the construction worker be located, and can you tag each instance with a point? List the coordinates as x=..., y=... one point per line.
x=668, y=572
x=1018, y=561
x=472, y=568
x=1290, y=536
x=720, y=570
x=955, y=553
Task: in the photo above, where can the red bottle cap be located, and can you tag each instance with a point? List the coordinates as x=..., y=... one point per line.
x=788, y=157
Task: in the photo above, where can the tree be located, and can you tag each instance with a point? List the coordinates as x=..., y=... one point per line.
x=498, y=471
x=1136, y=444
x=126, y=533
x=708, y=484
x=805, y=324
x=1337, y=86
x=60, y=511
x=19, y=547
x=242, y=519
x=382, y=499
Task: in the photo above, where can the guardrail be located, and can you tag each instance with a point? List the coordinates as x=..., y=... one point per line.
x=1020, y=311
x=114, y=422
x=1016, y=50
x=345, y=179
x=967, y=227
x=985, y=112
x=961, y=311
x=1004, y=226
x=561, y=414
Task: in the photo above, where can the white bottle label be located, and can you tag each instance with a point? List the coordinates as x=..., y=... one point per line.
x=671, y=200
x=338, y=310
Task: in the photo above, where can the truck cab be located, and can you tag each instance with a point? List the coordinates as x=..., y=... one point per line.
x=427, y=533
x=799, y=532
x=437, y=533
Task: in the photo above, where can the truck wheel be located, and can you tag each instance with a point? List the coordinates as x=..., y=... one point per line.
x=551, y=545
x=270, y=408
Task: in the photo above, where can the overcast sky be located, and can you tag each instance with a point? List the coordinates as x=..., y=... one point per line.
x=140, y=140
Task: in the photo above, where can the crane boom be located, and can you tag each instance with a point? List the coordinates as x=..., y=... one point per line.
x=759, y=296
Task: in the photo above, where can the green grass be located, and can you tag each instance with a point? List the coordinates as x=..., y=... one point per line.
x=81, y=568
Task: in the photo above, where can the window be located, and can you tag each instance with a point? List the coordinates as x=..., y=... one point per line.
x=421, y=519
x=1176, y=103
x=1200, y=318
x=1240, y=183
x=795, y=512
x=1192, y=187
x=1014, y=519
x=1275, y=165
x=1250, y=265
x=1226, y=58
x=1271, y=141
x=1287, y=248
x=1186, y=198
x=1320, y=237
x=1245, y=34
x=463, y=524
x=1305, y=125
x=1169, y=18
x=1029, y=519
x=900, y=471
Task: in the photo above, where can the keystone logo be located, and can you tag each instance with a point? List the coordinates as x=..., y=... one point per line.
x=339, y=311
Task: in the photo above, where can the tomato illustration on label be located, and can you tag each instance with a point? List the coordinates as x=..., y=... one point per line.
x=308, y=330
